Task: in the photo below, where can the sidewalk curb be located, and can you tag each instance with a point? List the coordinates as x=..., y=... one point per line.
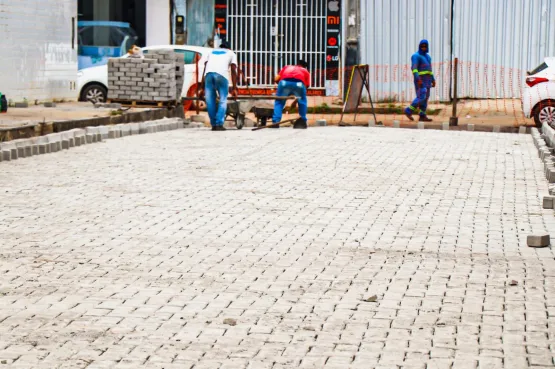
x=41, y=129
x=54, y=142
x=545, y=144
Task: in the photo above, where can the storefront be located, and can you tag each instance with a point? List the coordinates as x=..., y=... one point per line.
x=268, y=34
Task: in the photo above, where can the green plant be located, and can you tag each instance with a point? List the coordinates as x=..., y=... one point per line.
x=387, y=99
x=322, y=108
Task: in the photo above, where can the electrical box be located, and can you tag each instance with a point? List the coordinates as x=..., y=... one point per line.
x=179, y=30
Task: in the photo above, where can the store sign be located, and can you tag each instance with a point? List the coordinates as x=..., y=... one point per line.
x=272, y=92
x=220, y=13
x=333, y=40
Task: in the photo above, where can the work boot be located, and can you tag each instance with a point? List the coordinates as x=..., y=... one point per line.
x=300, y=124
x=408, y=114
x=220, y=128
x=424, y=118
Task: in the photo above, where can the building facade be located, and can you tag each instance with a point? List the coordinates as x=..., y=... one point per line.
x=268, y=34
x=38, y=50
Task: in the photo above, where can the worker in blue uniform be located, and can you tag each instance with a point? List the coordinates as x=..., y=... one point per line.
x=421, y=66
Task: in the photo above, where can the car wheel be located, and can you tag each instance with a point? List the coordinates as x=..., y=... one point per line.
x=545, y=113
x=95, y=93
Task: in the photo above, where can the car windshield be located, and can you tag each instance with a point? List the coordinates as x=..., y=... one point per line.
x=542, y=67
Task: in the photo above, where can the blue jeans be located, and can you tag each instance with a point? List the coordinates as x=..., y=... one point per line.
x=420, y=104
x=288, y=87
x=216, y=83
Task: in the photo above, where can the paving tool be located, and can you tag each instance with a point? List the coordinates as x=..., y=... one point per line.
x=276, y=124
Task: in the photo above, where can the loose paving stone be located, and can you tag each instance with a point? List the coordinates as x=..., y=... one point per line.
x=548, y=202
x=133, y=252
x=538, y=240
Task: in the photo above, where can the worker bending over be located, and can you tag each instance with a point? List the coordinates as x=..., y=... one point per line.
x=293, y=80
x=216, y=83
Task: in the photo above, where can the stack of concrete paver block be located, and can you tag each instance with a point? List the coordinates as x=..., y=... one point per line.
x=170, y=57
x=158, y=78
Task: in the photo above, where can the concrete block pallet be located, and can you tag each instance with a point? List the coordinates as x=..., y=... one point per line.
x=155, y=81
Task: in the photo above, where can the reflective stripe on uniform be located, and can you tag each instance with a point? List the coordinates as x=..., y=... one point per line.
x=426, y=73
x=415, y=71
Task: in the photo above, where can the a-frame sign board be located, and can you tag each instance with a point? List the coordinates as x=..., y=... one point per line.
x=359, y=80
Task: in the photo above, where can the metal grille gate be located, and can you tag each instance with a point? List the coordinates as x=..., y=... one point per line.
x=269, y=34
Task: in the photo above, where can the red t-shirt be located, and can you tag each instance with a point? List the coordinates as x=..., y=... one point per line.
x=296, y=72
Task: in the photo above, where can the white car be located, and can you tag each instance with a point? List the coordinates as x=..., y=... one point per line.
x=538, y=99
x=92, y=83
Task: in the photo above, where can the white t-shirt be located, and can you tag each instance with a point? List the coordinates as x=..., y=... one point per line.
x=219, y=61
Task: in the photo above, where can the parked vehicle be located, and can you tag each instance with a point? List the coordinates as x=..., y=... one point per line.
x=538, y=99
x=92, y=82
x=101, y=40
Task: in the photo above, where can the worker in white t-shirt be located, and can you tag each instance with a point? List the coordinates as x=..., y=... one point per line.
x=216, y=82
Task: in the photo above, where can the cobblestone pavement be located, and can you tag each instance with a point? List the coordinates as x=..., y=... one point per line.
x=132, y=253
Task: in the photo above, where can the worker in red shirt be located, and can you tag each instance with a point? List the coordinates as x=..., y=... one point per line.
x=293, y=80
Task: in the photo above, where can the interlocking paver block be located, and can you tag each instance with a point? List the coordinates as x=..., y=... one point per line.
x=542, y=240
x=133, y=253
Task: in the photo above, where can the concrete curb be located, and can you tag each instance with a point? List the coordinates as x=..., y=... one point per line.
x=40, y=129
x=445, y=126
x=54, y=142
x=545, y=144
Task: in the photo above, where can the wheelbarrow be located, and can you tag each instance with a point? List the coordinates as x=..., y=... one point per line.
x=234, y=112
x=263, y=115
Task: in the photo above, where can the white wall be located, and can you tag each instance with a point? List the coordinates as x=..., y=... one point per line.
x=37, y=61
x=157, y=22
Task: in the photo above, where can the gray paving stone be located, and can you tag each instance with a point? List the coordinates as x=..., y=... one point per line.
x=548, y=202
x=542, y=240
x=6, y=154
x=133, y=253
